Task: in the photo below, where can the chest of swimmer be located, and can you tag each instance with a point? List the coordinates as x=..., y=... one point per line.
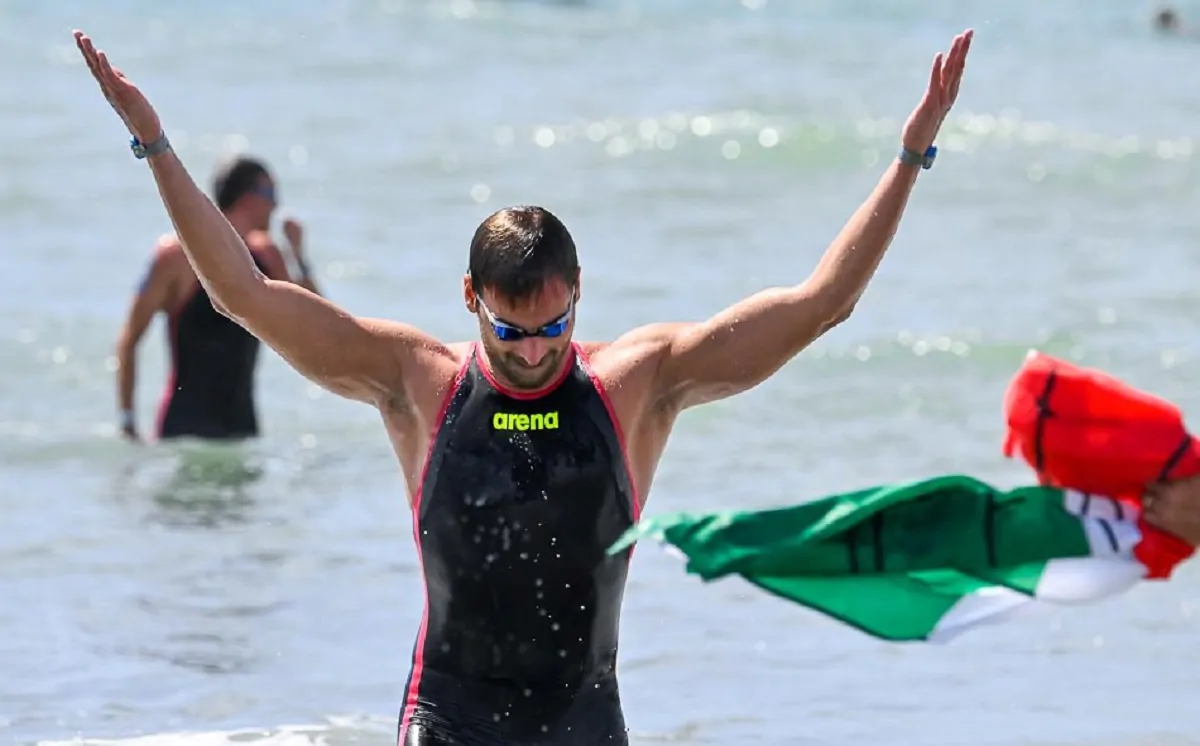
x=517, y=482
x=523, y=500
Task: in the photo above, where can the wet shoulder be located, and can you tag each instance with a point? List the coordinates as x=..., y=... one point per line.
x=168, y=261
x=626, y=370
x=631, y=360
x=438, y=368
x=168, y=249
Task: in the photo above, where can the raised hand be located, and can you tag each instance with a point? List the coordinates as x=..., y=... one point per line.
x=125, y=98
x=293, y=231
x=923, y=124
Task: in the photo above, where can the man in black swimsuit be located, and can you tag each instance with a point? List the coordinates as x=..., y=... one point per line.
x=210, y=384
x=527, y=454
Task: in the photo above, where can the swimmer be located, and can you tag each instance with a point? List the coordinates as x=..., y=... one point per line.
x=526, y=454
x=210, y=384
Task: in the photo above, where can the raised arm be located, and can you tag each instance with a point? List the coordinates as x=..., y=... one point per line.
x=357, y=358
x=745, y=344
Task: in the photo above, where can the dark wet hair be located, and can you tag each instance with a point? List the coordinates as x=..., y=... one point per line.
x=235, y=179
x=515, y=251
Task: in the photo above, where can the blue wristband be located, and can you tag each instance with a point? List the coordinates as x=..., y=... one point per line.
x=913, y=158
x=159, y=145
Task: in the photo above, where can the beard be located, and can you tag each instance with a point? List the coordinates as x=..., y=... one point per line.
x=515, y=372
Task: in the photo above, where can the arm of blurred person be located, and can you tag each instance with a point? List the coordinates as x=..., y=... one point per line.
x=276, y=266
x=154, y=294
x=293, y=231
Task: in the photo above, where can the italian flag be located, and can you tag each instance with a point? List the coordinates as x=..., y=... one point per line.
x=926, y=560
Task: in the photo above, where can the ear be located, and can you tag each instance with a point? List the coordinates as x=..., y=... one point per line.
x=469, y=295
x=578, y=285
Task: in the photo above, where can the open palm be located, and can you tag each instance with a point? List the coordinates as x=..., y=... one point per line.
x=133, y=108
x=923, y=124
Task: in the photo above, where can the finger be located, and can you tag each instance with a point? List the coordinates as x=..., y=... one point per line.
x=89, y=56
x=955, y=82
x=957, y=66
x=957, y=56
x=116, y=83
x=93, y=61
x=82, y=42
x=79, y=39
x=935, y=77
x=962, y=43
x=106, y=70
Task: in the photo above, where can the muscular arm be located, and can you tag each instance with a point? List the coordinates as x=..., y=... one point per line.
x=746, y=343
x=357, y=358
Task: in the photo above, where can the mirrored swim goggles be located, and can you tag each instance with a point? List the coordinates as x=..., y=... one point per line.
x=506, y=332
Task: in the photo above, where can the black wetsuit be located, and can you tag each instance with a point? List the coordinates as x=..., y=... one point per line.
x=521, y=497
x=210, y=392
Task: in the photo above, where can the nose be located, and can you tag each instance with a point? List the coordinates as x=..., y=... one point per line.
x=532, y=350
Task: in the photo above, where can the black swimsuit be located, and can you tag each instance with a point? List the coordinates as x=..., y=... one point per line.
x=210, y=392
x=520, y=499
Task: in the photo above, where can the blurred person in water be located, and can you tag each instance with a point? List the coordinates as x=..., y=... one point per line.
x=209, y=392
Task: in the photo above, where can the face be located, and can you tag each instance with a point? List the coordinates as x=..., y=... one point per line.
x=517, y=353
x=261, y=202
